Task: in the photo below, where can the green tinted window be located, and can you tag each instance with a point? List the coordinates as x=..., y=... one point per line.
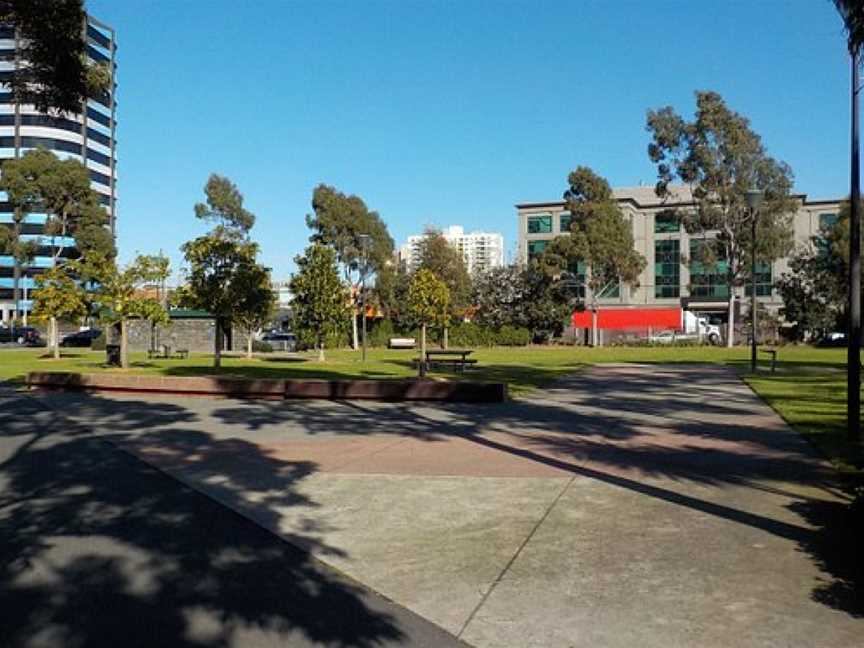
x=763, y=281
x=708, y=271
x=827, y=221
x=566, y=221
x=665, y=223
x=535, y=248
x=667, y=270
x=540, y=224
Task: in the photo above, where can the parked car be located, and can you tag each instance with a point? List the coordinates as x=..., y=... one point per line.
x=280, y=341
x=24, y=335
x=80, y=338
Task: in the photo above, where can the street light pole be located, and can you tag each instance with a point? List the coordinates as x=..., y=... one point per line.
x=754, y=199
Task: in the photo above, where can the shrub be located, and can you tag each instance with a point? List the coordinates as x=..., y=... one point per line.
x=259, y=346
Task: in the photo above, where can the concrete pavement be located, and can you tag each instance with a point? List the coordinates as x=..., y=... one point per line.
x=658, y=505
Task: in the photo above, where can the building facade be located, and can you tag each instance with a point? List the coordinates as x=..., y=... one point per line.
x=481, y=251
x=673, y=278
x=88, y=137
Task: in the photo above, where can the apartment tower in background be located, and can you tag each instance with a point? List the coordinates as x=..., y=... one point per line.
x=480, y=250
x=88, y=136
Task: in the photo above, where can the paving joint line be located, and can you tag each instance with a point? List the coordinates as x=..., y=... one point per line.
x=513, y=558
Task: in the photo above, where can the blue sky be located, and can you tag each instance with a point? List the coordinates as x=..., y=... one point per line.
x=445, y=112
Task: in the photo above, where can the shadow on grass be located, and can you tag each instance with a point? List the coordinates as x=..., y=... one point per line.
x=100, y=549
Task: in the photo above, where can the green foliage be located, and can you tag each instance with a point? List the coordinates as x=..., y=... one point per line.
x=600, y=238
x=320, y=306
x=339, y=221
x=446, y=263
x=255, y=299
x=469, y=334
x=814, y=289
x=428, y=299
x=224, y=207
x=720, y=157
x=852, y=12
x=54, y=73
x=58, y=294
x=390, y=294
x=259, y=346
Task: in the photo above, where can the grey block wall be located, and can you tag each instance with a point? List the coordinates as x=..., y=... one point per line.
x=193, y=334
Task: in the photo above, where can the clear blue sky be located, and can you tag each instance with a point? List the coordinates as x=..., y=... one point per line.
x=445, y=112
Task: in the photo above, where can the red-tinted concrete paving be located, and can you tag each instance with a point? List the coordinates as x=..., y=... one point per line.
x=627, y=505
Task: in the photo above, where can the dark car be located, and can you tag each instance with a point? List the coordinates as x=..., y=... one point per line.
x=26, y=335
x=280, y=341
x=81, y=338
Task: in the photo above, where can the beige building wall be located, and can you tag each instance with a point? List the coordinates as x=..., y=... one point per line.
x=641, y=206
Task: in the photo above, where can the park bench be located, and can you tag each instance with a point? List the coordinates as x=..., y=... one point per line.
x=166, y=353
x=401, y=343
x=773, y=353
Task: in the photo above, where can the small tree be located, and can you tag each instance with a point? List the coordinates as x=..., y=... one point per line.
x=58, y=295
x=446, y=262
x=429, y=304
x=321, y=302
x=255, y=300
x=720, y=158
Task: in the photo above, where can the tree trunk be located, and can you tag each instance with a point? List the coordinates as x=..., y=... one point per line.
x=217, y=348
x=354, y=344
x=422, y=363
x=730, y=324
x=55, y=338
x=249, y=343
x=445, y=340
x=124, y=344
x=593, y=326
x=320, y=350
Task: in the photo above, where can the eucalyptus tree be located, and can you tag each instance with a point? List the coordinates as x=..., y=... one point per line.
x=358, y=236
x=597, y=256
x=216, y=259
x=720, y=158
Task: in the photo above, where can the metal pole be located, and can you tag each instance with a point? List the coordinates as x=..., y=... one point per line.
x=363, y=301
x=753, y=349
x=853, y=357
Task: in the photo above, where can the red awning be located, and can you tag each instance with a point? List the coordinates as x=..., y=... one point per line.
x=631, y=318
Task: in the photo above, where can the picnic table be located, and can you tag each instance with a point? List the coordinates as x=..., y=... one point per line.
x=458, y=358
x=166, y=352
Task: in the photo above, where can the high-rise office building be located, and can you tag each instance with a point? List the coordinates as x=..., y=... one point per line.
x=88, y=136
x=480, y=250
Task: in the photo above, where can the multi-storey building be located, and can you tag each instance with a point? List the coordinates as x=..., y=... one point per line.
x=673, y=277
x=480, y=250
x=88, y=136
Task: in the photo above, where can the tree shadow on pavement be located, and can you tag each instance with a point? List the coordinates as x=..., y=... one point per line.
x=631, y=433
x=101, y=549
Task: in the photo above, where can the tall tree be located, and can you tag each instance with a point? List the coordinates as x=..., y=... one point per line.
x=58, y=295
x=155, y=270
x=429, y=304
x=216, y=258
x=598, y=255
x=852, y=12
x=446, y=262
x=53, y=71
x=342, y=222
x=391, y=294
x=720, y=158
x=320, y=299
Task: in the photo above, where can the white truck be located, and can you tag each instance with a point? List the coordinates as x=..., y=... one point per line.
x=693, y=327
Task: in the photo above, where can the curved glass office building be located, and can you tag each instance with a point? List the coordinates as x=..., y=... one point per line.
x=88, y=137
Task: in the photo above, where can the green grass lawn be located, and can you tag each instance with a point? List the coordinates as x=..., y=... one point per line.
x=808, y=390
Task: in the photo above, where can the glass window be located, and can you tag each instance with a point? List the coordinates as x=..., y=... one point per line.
x=827, y=221
x=764, y=286
x=540, y=224
x=667, y=271
x=708, y=268
x=566, y=221
x=666, y=222
x=535, y=248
